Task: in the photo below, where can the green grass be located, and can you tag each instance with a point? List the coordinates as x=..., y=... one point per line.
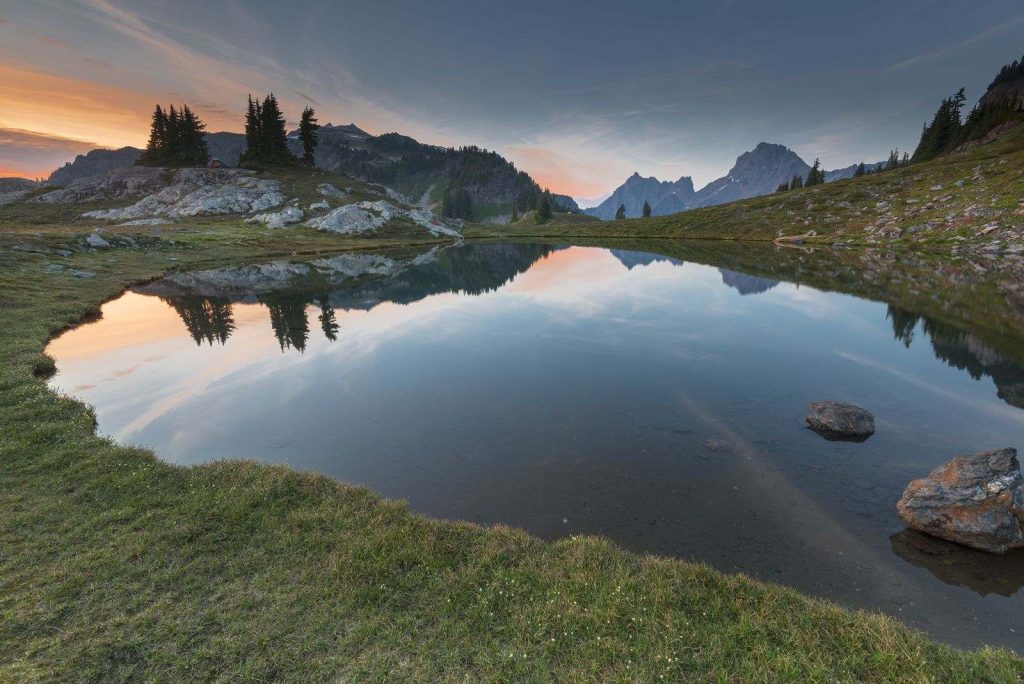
x=116, y=566
x=846, y=211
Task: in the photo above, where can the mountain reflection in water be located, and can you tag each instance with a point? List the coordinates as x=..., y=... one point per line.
x=333, y=283
x=657, y=399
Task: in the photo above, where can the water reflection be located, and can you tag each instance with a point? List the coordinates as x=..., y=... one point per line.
x=356, y=282
x=963, y=350
x=984, y=573
x=568, y=390
x=207, y=319
x=350, y=281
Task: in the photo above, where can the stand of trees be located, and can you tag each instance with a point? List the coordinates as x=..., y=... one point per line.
x=948, y=130
x=176, y=138
x=620, y=213
x=265, y=135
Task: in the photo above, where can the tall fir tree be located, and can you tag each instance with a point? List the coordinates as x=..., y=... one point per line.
x=815, y=176
x=156, y=147
x=646, y=210
x=544, y=207
x=620, y=213
x=861, y=170
x=308, y=127
x=192, y=149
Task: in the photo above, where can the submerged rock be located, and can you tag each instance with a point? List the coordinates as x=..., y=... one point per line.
x=835, y=421
x=977, y=501
x=716, y=444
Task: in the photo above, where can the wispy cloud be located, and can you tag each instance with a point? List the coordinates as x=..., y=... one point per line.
x=942, y=52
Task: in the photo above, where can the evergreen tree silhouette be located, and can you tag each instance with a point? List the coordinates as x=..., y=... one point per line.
x=620, y=213
x=176, y=138
x=815, y=176
x=266, y=136
x=288, y=319
x=308, y=127
x=207, y=319
x=327, y=317
x=544, y=207
x=647, y=210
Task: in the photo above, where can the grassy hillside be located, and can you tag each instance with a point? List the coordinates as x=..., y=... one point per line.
x=972, y=199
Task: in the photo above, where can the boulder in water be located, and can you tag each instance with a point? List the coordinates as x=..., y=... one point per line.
x=977, y=501
x=835, y=421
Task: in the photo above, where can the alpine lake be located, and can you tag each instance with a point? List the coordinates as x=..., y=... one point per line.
x=651, y=393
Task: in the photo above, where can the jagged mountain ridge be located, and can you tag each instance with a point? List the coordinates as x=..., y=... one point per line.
x=757, y=172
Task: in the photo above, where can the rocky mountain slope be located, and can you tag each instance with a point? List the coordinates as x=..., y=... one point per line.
x=12, y=189
x=225, y=146
x=160, y=196
x=426, y=174
x=665, y=197
x=757, y=172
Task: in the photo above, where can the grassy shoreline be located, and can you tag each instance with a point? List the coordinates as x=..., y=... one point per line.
x=117, y=566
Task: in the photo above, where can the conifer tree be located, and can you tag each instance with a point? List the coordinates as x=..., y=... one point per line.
x=544, y=207
x=620, y=213
x=797, y=182
x=860, y=170
x=192, y=150
x=783, y=187
x=157, y=144
x=815, y=176
x=647, y=210
x=253, y=131
x=308, y=127
x=275, y=134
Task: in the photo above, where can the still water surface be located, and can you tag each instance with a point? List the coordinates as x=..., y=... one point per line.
x=572, y=390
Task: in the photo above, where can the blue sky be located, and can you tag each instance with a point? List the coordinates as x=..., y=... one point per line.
x=579, y=94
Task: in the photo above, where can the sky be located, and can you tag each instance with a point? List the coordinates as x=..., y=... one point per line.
x=580, y=93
